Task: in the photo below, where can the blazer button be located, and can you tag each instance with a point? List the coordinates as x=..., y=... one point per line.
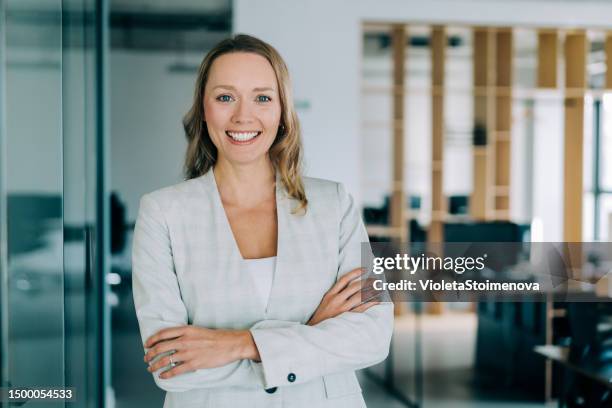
x=291, y=377
x=271, y=390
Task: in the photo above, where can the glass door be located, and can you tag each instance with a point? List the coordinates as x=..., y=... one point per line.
x=53, y=198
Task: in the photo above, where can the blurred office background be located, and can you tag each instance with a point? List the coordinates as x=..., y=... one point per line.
x=462, y=120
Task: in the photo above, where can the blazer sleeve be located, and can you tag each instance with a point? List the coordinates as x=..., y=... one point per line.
x=292, y=353
x=158, y=303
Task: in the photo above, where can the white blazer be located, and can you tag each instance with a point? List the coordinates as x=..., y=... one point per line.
x=186, y=270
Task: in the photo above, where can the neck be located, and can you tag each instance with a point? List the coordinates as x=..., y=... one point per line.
x=245, y=185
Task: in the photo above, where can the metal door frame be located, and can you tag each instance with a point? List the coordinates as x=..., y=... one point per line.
x=3, y=206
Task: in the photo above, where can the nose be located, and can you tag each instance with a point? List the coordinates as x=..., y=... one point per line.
x=242, y=114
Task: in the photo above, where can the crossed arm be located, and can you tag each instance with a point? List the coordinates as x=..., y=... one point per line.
x=342, y=334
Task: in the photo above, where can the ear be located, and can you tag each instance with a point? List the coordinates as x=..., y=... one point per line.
x=281, y=130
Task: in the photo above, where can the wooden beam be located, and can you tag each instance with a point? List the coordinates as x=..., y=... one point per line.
x=575, y=60
x=436, y=226
x=398, y=197
x=438, y=201
x=608, y=49
x=481, y=203
x=572, y=169
x=575, y=81
x=504, y=50
x=548, y=53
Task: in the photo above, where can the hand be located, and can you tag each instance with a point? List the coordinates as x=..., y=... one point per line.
x=198, y=347
x=344, y=296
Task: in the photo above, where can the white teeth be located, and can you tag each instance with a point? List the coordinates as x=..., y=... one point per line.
x=242, y=136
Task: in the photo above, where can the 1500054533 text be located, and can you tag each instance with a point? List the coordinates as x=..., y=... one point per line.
x=16, y=394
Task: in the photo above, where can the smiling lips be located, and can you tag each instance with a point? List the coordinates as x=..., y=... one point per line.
x=243, y=137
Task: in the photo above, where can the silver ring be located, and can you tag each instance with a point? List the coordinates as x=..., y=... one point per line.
x=172, y=363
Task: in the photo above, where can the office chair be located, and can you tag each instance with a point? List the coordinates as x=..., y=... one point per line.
x=590, y=349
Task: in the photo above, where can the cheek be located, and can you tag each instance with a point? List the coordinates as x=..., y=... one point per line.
x=216, y=116
x=216, y=112
x=271, y=117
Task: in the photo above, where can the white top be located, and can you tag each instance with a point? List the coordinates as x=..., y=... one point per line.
x=262, y=272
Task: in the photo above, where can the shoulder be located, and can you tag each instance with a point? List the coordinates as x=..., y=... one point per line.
x=327, y=191
x=331, y=200
x=316, y=187
x=165, y=196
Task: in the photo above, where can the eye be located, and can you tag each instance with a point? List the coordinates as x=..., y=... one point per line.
x=263, y=98
x=224, y=98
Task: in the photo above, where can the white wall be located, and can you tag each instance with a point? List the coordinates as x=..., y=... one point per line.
x=147, y=104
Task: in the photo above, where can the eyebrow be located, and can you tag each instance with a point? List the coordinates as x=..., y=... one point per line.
x=260, y=89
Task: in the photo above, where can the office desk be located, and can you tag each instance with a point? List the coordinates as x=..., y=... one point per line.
x=602, y=373
x=592, y=370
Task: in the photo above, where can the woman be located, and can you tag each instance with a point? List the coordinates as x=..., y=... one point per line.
x=245, y=275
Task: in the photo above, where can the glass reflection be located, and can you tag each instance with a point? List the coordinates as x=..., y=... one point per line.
x=34, y=193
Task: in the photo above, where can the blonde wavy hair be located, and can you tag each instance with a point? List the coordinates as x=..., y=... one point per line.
x=286, y=150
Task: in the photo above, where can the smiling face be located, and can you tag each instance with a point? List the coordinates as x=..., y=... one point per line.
x=242, y=107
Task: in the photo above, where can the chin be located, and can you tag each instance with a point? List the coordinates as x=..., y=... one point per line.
x=243, y=160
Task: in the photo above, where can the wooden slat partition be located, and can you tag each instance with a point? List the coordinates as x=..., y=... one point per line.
x=575, y=83
x=608, y=49
x=398, y=197
x=438, y=200
x=504, y=49
x=548, y=54
x=481, y=203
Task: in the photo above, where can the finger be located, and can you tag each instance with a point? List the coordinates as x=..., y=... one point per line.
x=358, y=298
x=345, y=279
x=175, y=358
x=364, y=295
x=162, y=347
x=165, y=334
x=168, y=361
x=368, y=291
x=357, y=286
x=371, y=295
x=364, y=306
x=350, y=290
x=181, y=368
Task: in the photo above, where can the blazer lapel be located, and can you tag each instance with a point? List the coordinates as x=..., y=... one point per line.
x=282, y=272
x=284, y=204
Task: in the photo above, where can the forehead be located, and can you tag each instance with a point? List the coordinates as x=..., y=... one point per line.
x=242, y=70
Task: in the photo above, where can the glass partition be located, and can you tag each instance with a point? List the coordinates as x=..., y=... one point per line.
x=34, y=194
x=53, y=198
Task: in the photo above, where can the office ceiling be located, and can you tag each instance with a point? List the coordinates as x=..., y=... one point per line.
x=181, y=25
x=172, y=6
x=154, y=25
